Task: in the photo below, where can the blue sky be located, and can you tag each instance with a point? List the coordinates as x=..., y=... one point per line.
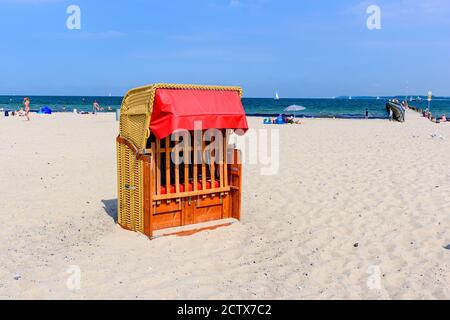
x=301, y=48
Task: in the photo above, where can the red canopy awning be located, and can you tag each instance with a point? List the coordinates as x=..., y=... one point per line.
x=180, y=109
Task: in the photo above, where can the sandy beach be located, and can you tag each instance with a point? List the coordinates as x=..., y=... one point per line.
x=358, y=210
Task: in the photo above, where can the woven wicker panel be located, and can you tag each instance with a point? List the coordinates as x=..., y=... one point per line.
x=120, y=182
x=138, y=196
x=196, y=87
x=134, y=128
x=135, y=115
x=130, y=189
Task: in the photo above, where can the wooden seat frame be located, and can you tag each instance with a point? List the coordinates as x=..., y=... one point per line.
x=143, y=173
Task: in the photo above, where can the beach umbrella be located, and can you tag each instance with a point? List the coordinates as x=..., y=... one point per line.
x=294, y=108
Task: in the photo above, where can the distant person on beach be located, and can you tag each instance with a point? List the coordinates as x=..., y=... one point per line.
x=96, y=107
x=21, y=112
x=290, y=120
x=391, y=115
x=367, y=114
x=26, y=103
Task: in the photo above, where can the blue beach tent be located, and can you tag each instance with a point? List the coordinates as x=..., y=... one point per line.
x=280, y=120
x=45, y=110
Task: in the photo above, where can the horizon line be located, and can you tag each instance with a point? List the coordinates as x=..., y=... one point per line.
x=341, y=97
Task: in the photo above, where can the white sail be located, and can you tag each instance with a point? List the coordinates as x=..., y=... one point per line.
x=277, y=96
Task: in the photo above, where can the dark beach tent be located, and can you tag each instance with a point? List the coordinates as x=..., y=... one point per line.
x=45, y=110
x=280, y=120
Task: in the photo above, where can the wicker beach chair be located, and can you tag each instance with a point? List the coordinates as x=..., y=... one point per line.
x=177, y=173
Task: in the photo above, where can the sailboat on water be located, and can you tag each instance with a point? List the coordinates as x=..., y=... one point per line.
x=277, y=96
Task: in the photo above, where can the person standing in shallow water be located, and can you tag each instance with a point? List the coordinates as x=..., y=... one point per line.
x=26, y=103
x=367, y=114
x=96, y=107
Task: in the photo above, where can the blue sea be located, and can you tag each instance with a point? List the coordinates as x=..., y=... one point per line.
x=320, y=108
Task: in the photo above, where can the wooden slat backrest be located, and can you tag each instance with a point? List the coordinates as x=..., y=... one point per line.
x=212, y=159
x=154, y=167
x=203, y=165
x=168, y=162
x=177, y=166
x=221, y=166
x=202, y=161
x=196, y=159
x=186, y=154
x=158, y=166
x=225, y=158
